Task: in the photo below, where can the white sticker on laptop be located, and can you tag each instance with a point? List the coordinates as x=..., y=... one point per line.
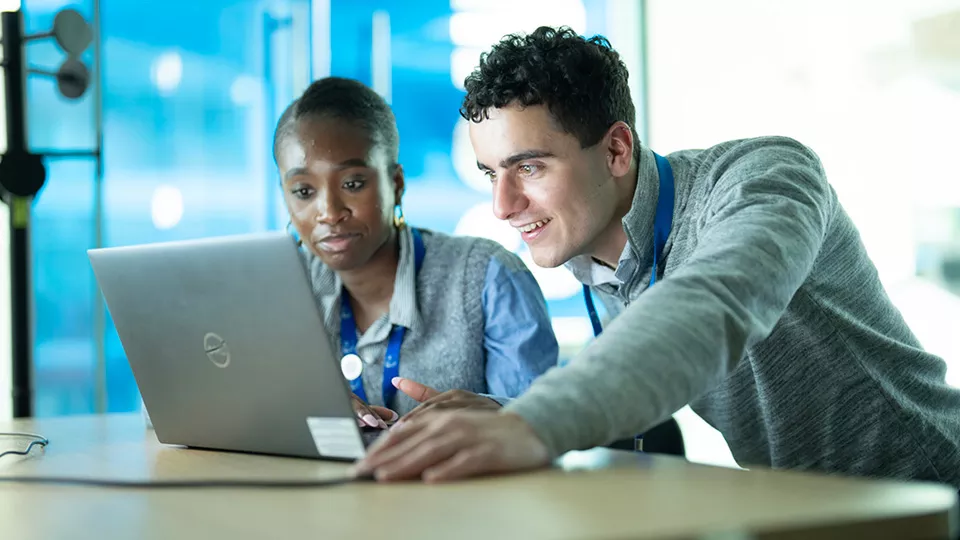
x=336, y=437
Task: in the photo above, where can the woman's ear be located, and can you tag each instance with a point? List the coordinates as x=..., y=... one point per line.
x=398, y=183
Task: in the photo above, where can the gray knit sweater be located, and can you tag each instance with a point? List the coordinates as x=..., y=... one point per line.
x=770, y=320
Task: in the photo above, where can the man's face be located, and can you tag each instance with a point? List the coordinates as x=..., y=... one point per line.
x=561, y=197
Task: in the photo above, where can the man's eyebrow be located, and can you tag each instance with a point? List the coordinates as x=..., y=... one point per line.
x=517, y=158
x=510, y=161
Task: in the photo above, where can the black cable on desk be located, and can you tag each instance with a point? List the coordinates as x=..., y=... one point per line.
x=38, y=440
x=178, y=484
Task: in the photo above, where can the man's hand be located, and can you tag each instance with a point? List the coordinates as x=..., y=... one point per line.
x=442, y=446
x=434, y=400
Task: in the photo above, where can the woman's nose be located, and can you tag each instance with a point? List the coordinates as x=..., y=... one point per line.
x=330, y=208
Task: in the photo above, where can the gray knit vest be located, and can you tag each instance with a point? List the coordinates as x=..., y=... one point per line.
x=448, y=351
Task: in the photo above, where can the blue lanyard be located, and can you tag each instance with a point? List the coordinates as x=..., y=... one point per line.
x=348, y=336
x=662, y=223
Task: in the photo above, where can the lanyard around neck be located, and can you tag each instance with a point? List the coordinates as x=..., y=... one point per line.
x=348, y=338
x=662, y=223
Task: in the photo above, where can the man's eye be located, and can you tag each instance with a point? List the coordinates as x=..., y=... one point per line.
x=490, y=175
x=526, y=169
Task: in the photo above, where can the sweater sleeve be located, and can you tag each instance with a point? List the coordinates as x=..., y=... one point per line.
x=763, y=226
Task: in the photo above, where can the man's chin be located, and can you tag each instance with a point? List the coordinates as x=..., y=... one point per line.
x=547, y=258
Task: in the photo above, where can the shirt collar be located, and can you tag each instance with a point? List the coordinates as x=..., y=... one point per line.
x=403, y=305
x=590, y=272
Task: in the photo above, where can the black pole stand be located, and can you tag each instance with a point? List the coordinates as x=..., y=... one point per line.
x=22, y=173
x=21, y=176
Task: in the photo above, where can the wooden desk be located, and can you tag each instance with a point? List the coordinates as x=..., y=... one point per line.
x=597, y=494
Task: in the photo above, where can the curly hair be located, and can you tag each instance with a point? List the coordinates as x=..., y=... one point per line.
x=582, y=82
x=343, y=99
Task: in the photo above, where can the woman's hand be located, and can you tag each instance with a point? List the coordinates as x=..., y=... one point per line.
x=372, y=415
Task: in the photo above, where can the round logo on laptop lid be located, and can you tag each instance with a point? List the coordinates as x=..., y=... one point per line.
x=216, y=349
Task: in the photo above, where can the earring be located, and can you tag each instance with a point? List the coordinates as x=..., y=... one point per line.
x=293, y=233
x=398, y=220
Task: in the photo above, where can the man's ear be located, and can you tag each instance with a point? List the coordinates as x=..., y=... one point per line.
x=619, y=142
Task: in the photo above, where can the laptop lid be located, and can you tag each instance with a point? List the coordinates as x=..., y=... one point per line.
x=227, y=345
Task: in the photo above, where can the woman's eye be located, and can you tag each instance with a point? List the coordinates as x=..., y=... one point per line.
x=302, y=192
x=353, y=184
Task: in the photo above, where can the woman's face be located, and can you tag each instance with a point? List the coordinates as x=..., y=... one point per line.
x=339, y=190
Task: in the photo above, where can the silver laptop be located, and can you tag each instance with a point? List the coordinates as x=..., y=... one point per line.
x=228, y=347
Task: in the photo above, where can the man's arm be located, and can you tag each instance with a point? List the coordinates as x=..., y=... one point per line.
x=766, y=221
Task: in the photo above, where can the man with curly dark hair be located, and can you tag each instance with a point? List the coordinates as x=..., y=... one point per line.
x=739, y=286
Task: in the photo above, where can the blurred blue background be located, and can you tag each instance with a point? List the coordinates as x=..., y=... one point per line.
x=191, y=93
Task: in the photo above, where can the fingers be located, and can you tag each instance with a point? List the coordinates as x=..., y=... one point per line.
x=366, y=416
x=396, y=435
x=384, y=449
x=444, y=446
x=407, y=451
x=454, y=399
x=419, y=453
x=414, y=414
x=419, y=392
x=388, y=415
x=465, y=463
x=430, y=406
